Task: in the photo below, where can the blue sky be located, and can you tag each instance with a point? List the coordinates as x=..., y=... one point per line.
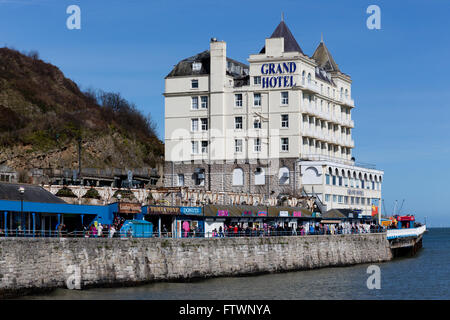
x=400, y=73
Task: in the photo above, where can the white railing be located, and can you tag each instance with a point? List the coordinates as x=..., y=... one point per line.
x=403, y=233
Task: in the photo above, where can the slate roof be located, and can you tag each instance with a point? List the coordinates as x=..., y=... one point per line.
x=290, y=44
x=184, y=67
x=324, y=58
x=33, y=193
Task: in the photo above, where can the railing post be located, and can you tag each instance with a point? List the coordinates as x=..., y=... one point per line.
x=34, y=224
x=6, y=223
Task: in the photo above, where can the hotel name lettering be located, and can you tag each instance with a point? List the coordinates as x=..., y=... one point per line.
x=278, y=75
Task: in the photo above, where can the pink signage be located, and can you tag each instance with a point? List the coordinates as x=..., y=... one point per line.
x=297, y=214
x=222, y=213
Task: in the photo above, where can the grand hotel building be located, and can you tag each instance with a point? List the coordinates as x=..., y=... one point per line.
x=280, y=125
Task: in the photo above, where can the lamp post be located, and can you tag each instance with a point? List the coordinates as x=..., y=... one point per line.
x=21, y=191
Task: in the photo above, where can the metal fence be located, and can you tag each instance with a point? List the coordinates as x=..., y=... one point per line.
x=184, y=235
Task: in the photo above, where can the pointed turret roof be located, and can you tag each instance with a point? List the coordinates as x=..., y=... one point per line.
x=324, y=58
x=282, y=31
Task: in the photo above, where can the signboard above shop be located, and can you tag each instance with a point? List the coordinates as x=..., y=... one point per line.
x=191, y=210
x=163, y=210
x=129, y=207
x=222, y=213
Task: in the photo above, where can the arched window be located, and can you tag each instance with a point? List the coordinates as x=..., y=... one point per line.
x=238, y=177
x=342, y=92
x=303, y=77
x=346, y=93
x=283, y=175
x=309, y=78
x=260, y=177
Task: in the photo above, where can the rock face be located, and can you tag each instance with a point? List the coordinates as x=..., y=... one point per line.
x=43, y=115
x=37, y=264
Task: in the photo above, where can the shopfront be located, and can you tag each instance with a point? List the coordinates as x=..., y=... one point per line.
x=163, y=218
x=190, y=223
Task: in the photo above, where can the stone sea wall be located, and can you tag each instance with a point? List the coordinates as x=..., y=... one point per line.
x=29, y=265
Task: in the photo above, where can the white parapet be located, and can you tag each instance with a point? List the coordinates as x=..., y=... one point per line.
x=402, y=233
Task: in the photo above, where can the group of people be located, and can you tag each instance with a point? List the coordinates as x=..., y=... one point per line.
x=107, y=230
x=241, y=230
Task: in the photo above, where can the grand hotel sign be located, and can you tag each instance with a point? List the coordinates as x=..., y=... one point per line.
x=278, y=75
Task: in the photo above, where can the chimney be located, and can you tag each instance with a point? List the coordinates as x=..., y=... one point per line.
x=218, y=67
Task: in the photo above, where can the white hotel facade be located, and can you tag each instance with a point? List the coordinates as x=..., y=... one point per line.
x=280, y=125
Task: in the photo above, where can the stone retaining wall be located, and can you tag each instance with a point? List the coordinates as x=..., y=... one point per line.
x=28, y=264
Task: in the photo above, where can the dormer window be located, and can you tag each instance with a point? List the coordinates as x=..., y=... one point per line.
x=196, y=66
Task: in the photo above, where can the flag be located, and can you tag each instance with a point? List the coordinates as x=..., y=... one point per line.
x=374, y=210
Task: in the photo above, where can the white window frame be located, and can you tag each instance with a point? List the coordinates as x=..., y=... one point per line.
x=284, y=100
x=204, y=124
x=257, y=145
x=204, y=148
x=194, y=125
x=257, y=102
x=194, y=147
x=238, y=146
x=236, y=123
x=285, y=123
x=194, y=106
x=180, y=180
x=238, y=100
x=204, y=104
x=192, y=84
x=257, y=80
x=284, y=146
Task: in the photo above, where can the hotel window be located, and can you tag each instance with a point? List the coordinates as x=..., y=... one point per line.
x=257, y=124
x=257, y=145
x=284, y=98
x=204, y=100
x=180, y=179
x=352, y=200
x=373, y=185
x=345, y=199
x=257, y=80
x=357, y=200
x=238, y=123
x=327, y=179
x=204, y=146
x=363, y=201
x=238, y=99
x=327, y=198
x=194, y=124
x=238, y=145
x=334, y=198
x=194, y=104
x=285, y=121
x=284, y=144
x=351, y=183
x=340, y=199
x=362, y=184
x=257, y=99
x=204, y=124
x=194, y=147
x=340, y=181
x=194, y=84
x=334, y=180
x=303, y=77
x=345, y=182
x=309, y=78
